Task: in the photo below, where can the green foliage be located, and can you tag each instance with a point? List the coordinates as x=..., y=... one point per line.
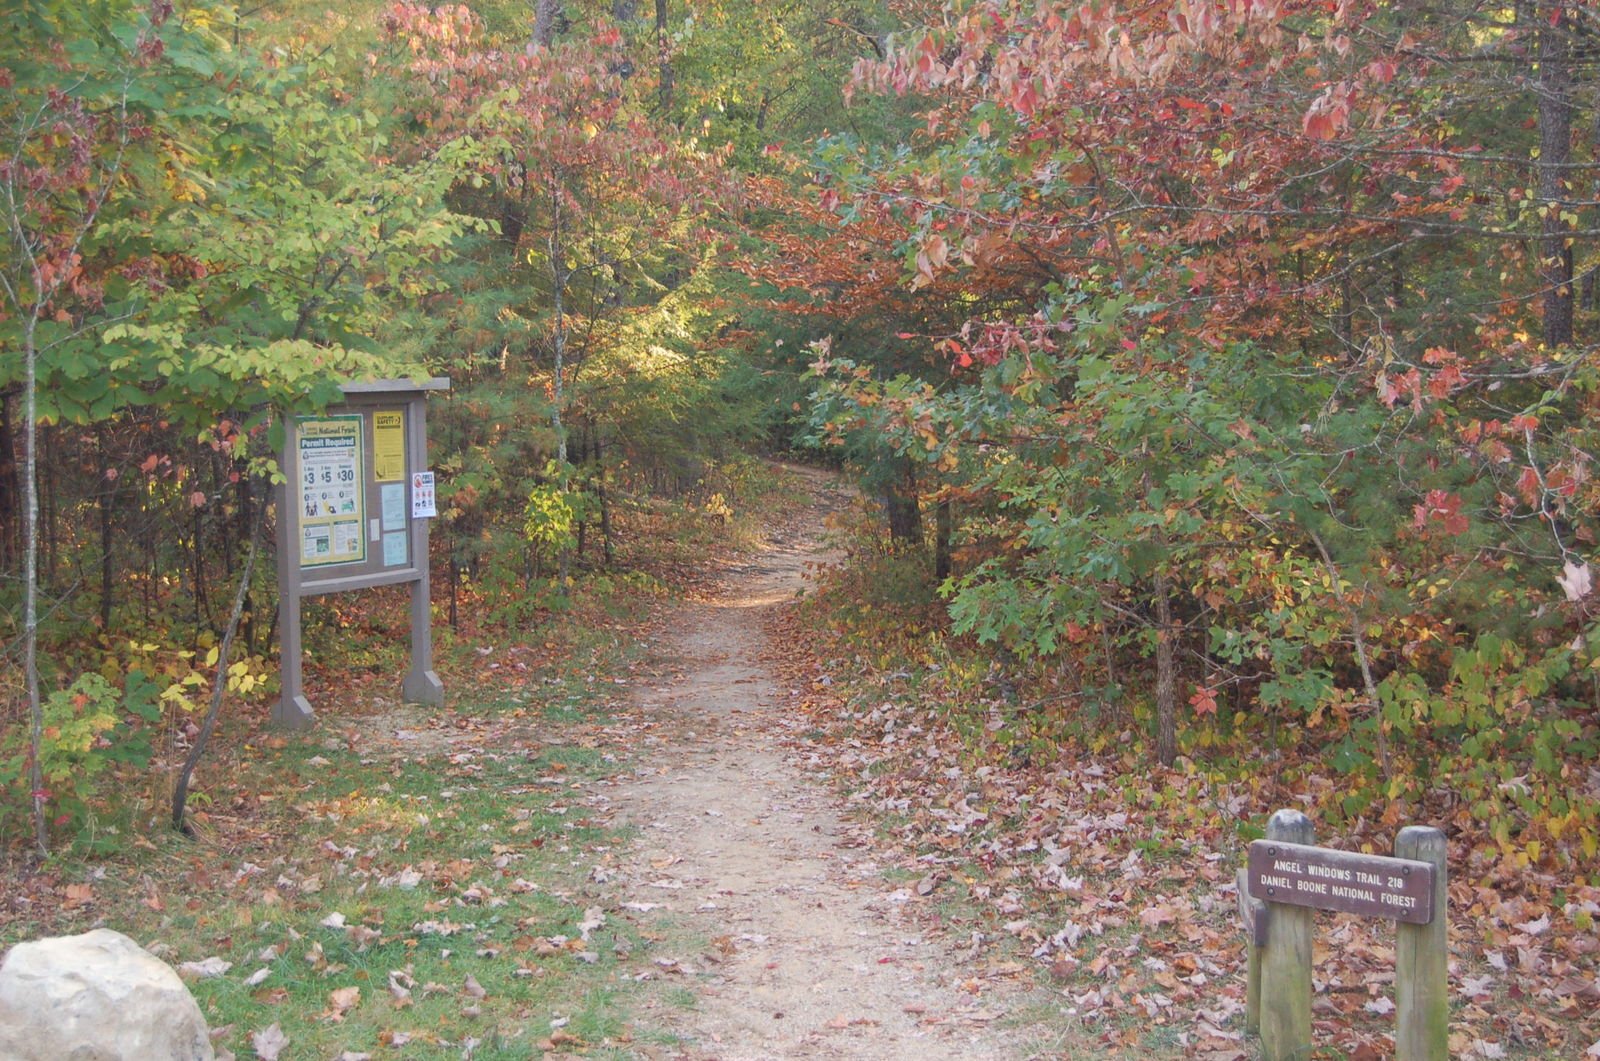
x=1294, y=525
x=245, y=245
x=90, y=729
x=749, y=73
x=550, y=520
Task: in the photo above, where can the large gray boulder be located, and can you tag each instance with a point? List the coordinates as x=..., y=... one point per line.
x=96, y=997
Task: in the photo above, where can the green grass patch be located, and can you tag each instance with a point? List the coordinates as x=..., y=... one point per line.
x=400, y=877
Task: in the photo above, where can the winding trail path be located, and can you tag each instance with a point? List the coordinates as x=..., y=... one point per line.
x=812, y=954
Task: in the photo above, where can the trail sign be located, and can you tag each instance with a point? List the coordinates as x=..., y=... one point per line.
x=1287, y=876
x=1324, y=879
x=353, y=514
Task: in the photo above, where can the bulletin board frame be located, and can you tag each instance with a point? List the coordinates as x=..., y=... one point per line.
x=350, y=518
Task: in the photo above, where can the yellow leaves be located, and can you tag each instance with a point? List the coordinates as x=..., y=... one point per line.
x=78, y=736
x=242, y=681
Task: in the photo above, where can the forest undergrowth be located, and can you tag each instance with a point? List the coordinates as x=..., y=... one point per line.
x=1024, y=802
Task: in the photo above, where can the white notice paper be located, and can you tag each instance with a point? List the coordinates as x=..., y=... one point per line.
x=423, y=505
x=394, y=548
x=394, y=506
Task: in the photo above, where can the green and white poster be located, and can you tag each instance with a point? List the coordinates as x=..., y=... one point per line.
x=332, y=495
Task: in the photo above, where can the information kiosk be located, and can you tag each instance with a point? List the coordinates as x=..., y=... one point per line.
x=353, y=514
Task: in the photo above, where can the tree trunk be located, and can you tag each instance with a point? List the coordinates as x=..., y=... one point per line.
x=1555, y=152
x=247, y=509
x=202, y=607
x=558, y=286
x=901, y=508
x=10, y=488
x=180, y=792
x=45, y=492
x=1344, y=321
x=546, y=14
x=455, y=582
x=664, y=56
x=558, y=340
x=942, y=521
x=1166, y=674
x=606, y=544
x=30, y=579
x=1362, y=657
x=108, y=496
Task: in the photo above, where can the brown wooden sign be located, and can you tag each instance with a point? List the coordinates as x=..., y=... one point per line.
x=1324, y=879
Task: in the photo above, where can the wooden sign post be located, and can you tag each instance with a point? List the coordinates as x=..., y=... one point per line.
x=1288, y=877
x=1286, y=958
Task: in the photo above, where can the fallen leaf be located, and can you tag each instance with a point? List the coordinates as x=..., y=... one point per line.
x=269, y=1042
x=341, y=1001
x=204, y=969
x=1154, y=916
x=1534, y=928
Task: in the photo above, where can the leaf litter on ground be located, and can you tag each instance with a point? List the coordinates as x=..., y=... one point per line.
x=1115, y=878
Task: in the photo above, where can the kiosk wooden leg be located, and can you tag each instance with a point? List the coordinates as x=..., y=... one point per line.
x=293, y=710
x=422, y=685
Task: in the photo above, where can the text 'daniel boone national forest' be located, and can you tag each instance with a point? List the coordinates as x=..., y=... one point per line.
x=1367, y=885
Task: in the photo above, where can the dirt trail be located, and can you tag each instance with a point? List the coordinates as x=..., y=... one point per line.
x=812, y=955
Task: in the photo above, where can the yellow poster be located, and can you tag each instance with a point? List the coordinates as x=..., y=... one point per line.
x=332, y=505
x=388, y=446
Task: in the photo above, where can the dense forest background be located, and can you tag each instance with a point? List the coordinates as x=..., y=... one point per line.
x=1223, y=374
